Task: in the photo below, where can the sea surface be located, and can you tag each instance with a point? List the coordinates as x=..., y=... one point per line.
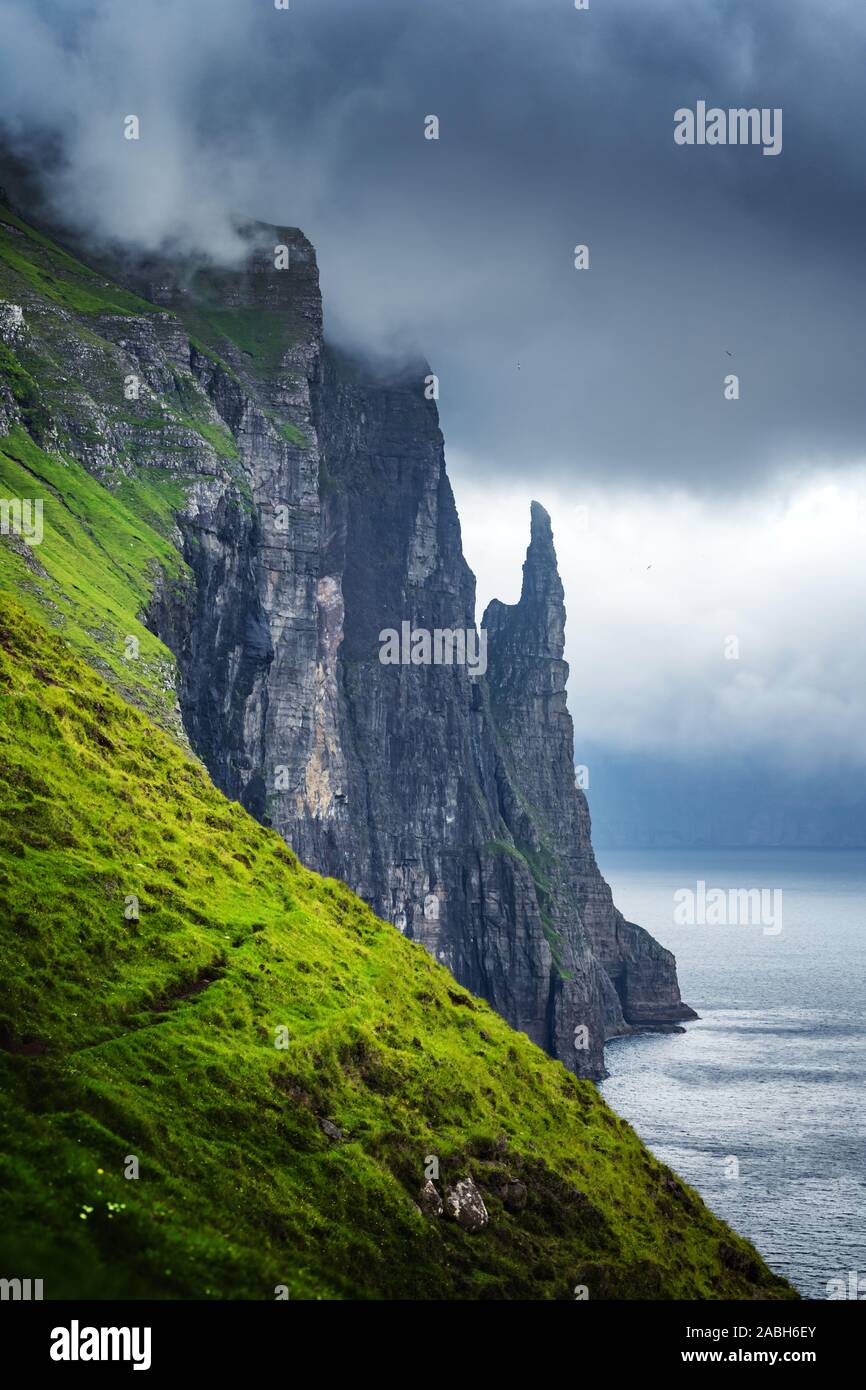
x=773, y=1074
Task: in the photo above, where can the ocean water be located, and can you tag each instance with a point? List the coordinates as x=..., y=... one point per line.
x=774, y=1072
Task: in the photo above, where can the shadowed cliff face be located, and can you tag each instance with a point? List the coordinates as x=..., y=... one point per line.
x=447, y=801
x=444, y=799
x=527, y=678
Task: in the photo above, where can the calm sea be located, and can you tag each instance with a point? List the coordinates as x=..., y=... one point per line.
x=774, y=1073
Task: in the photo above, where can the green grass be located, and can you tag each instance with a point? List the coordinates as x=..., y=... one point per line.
x=155, y=1038
x=93, y=573
x=154, y=1035
x=25, y=391
x=538, y=864
x=217, y=435
x=108, y=541
x=33, y=262
x=33, y=269
x=262, y=335
x=293, y=435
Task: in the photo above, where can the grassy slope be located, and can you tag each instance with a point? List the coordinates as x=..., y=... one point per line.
x=94, y=568
x=36, y=260
x=105, y=539
x=157, y=1038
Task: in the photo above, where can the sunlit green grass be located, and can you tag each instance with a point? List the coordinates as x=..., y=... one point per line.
x=37, y=262
x=111, y=1052
x=93, y=572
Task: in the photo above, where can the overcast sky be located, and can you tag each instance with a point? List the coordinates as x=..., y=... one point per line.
x=601, y=387
x=657, y=584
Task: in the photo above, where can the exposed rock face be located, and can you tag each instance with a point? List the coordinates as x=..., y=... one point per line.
x=11, y=322
x=465, y=1205
x=429, y=1201
x=445, y=800
x=527, y=678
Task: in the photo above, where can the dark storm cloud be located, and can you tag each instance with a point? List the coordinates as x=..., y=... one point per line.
x=556, y=129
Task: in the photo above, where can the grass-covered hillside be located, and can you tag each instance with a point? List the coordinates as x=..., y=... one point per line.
x=264, y=1165
x=92, y=573
x=103, y=418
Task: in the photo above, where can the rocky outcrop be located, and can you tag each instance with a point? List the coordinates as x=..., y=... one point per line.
x=465, y=1205
x=318, y=514
x=527, y=678
x=429, y=1201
